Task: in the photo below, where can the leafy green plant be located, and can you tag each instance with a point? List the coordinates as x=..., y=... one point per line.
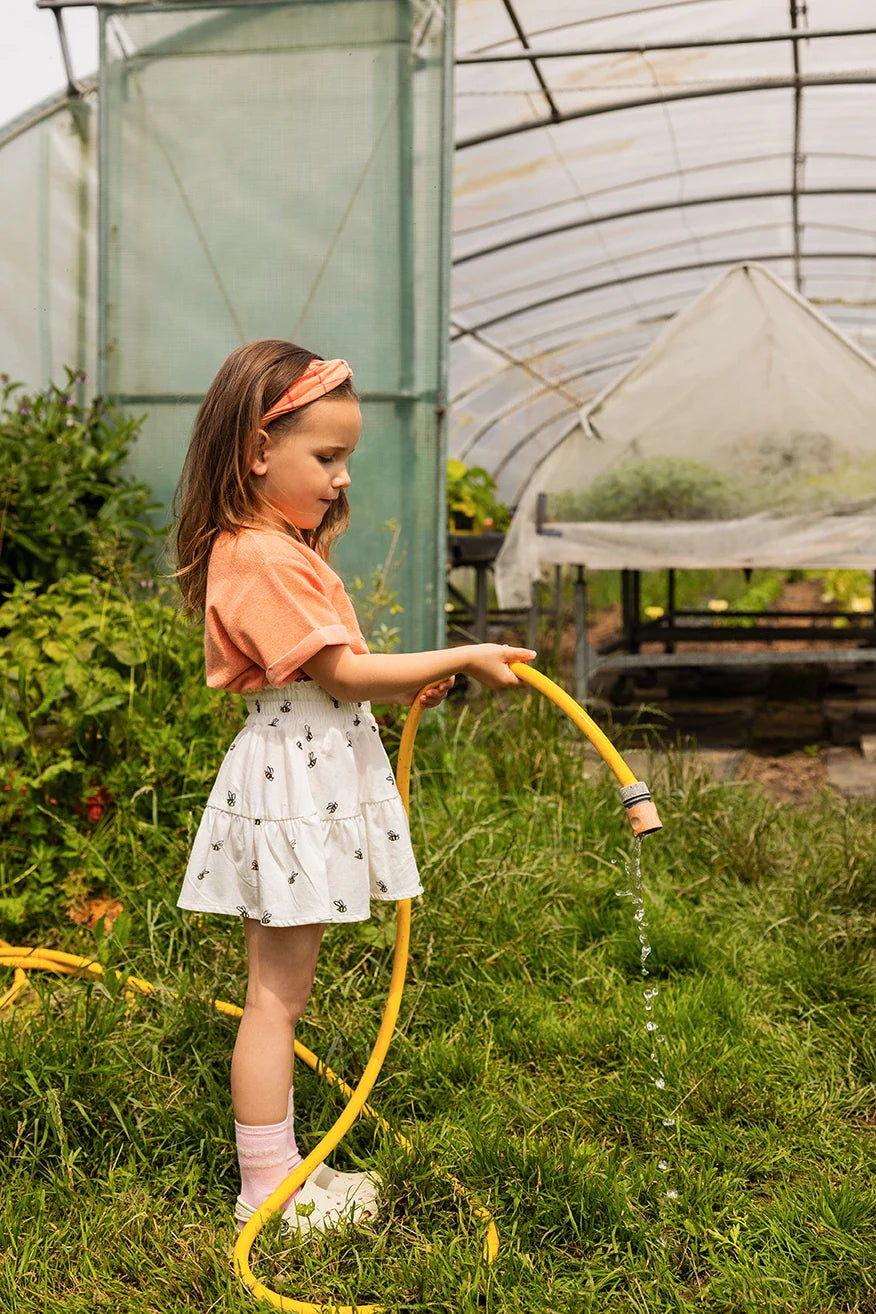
x=376, y=597
x=661, y=488
x=93, y=679
x=471, y=500
x=851, y=590
x=66, y=504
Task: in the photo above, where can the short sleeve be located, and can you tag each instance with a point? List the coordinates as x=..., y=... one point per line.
x=281, y=616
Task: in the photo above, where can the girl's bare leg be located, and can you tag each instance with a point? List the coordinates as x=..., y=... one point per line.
x=281, y=968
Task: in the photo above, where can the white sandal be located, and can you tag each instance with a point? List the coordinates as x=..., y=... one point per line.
x=312, y=1210
x=361, y=1188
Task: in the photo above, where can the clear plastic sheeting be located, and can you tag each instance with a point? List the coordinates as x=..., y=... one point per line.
x=277, y=170
x=744, y=436
x=601, y=187
x=48, y=242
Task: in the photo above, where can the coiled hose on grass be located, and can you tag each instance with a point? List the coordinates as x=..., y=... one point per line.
x=644, y=820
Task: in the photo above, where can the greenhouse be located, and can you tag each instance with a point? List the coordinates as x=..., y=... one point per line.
x=506, y=1026
x=598, y=190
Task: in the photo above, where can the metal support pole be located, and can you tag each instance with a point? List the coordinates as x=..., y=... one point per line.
x=582, y=643
x=558, y=609
x=480, y=616
x=532, y=619
x=670, y=605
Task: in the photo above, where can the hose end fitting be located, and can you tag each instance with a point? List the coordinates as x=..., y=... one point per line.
x=642, y=813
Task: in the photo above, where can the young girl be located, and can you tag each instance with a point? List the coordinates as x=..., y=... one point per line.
x=304, y=824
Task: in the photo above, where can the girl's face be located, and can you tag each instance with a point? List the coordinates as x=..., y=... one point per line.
x=299, y=476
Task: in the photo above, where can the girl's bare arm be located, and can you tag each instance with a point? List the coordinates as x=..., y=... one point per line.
x=377, y=677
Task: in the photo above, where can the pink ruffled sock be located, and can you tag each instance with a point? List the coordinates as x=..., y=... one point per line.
x=262, y=1156
x=293, y=1158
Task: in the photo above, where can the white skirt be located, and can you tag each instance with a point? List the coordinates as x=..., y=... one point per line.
x=305, y=823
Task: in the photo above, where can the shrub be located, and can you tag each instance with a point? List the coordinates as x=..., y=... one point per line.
x=471, y=499
x=661, y=488
x=103, y=710
x=66, y=504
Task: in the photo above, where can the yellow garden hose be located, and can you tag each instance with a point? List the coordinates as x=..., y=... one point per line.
x=643, y=818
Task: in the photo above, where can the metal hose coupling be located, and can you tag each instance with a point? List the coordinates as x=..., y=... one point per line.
x=642, y=813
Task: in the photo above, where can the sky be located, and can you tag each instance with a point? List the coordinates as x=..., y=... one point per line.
x=31, y=67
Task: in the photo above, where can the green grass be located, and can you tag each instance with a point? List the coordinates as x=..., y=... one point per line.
x=521, y=1063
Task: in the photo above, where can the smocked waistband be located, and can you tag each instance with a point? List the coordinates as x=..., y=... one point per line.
x=301, y=696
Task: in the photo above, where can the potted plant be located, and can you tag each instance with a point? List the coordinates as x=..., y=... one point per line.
x=472, y=507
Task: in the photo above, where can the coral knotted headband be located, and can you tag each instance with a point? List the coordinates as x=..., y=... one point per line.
x=318, y=379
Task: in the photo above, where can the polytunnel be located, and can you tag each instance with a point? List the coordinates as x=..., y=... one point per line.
x=610, y=167
x=611, y=163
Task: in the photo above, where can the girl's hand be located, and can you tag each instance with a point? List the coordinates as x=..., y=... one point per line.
x=436, y=693
x=490, y=663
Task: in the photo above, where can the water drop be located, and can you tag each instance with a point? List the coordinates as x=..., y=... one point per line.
x=651, y=992
x=624, y=894
x=671, y=1194
x=668, y=1122
x=660, y=1083
x=650, y=1026
x=662, y=1165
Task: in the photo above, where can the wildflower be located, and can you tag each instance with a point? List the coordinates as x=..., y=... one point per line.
x=23, y=410
x=95, y=804
x=70, y=422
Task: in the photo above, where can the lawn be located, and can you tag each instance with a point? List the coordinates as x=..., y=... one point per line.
x=521, y=1065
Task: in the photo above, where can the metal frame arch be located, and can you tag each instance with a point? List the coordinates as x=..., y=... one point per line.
x=764, y=259
x=642, y=253
x=683, y=203
x=737, y=88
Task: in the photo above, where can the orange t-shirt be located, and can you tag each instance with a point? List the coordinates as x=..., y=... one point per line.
x=272, y=603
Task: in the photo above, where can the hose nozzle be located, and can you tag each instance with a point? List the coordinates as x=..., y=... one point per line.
x=642, y=813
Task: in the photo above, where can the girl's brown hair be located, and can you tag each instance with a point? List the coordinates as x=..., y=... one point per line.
x=217, y=490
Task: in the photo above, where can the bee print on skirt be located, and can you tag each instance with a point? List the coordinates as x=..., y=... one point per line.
x=311, y=760
x=393, y=835
x=382, y=887
x=216, y=845
x=241, y=909
x=231, y=798
x=349, y=739
x=269, y=773
x=276, y=721
x=292, y=876
x=286, y=707
x=359, y=854
x=265, y=917
x=308, y=733
x=331, y=807
x=340, y=905
x=202, y=874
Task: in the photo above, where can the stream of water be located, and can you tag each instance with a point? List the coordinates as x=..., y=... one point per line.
x=649, y=994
